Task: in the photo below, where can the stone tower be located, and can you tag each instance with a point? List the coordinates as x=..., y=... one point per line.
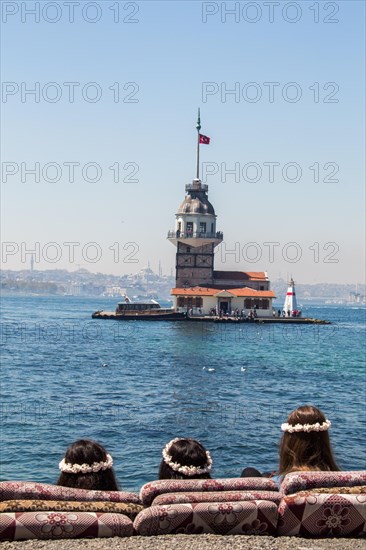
x=195, y=237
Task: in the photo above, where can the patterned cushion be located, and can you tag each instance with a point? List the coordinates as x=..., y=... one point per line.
x=322, y=515
x=301, y=481
x=151, y=490
x=214, y=496
x=359, y=489
x=221, y=518
x=63, y=525
x=129, y=510
x=29, y=490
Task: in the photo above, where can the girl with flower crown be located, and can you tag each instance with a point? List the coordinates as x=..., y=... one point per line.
x=87, y=465
x=305, y=445
x=185, y=458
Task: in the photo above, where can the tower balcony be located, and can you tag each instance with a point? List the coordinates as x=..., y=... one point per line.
x=192, y=238
x=196, y=185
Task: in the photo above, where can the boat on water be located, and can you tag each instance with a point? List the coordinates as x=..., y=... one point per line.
x=140, y=311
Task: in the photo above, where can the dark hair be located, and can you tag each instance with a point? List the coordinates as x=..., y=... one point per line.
x=85, y=451
x=306, y=450
x=186, y=452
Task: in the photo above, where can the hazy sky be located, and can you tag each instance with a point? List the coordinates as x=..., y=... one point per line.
x=109, y=132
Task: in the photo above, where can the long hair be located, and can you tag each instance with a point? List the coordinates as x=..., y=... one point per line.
x=186, y=452
x=306, y=450
x=85, y=451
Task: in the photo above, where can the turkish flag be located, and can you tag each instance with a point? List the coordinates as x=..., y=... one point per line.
x=204, y=139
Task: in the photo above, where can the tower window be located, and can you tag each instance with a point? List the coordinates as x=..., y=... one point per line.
x=189, y=228
x=202, y=227
x=188, y=248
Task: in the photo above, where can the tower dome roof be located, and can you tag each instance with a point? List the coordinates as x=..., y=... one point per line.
x=196, y=205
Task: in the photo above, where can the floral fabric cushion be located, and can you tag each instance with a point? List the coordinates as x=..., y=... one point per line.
x=358, y=490
x=222, y=518
x=151, y=490
x=322, y=515
x=301, y=481
x=29, y=490
x=130, y=510
x=63, y=525
x=214, y=496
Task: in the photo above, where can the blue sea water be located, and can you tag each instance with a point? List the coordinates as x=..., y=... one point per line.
x=55, y=390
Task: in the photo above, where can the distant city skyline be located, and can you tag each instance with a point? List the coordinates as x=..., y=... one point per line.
x=99, y=108
x=147, y=283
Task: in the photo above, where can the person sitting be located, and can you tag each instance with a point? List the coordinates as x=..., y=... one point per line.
x=305, y=445
x=87, y=465
x=185, y=458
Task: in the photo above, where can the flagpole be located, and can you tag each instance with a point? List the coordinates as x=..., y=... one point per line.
x=198, y=126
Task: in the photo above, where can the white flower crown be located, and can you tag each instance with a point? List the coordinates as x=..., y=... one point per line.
x=185, y=470
x=85, y=468
x=306, y=427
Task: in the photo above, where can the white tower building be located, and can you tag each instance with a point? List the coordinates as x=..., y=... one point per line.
x=290, y=304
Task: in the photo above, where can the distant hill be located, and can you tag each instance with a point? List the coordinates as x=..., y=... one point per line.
x=147, y=283
x=321, y=291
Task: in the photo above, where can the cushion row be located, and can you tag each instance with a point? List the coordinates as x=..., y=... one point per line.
x=328, y=504
x=322, y=515
x=221, y=518
x=215, y=496
x=151, y=490
x=301, y=481
x=63, y=525
x=128, y=509
x=28, y=490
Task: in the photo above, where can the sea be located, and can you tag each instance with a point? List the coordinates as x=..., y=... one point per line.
x=135, y=385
